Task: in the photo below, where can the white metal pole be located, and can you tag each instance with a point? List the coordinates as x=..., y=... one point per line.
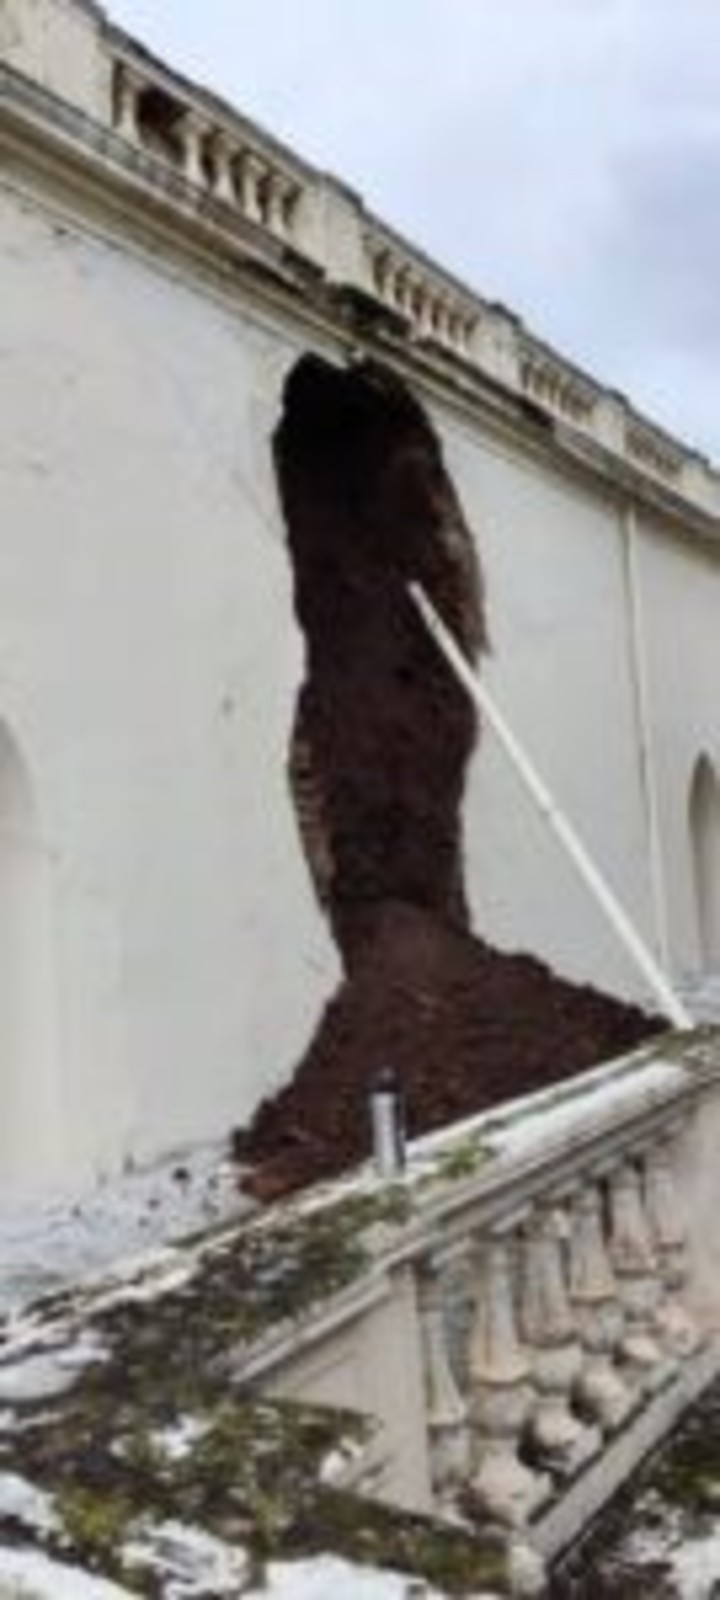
x=672, y=1007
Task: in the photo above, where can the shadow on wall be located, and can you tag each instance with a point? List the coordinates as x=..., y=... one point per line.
x=705, y=838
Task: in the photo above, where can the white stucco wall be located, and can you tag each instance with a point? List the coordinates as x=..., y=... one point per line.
x=149, y=664
x=148, y=669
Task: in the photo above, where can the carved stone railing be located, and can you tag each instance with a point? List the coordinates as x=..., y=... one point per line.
x=553, y=383
x=654, y=450
x=212, y=153
x=556, y=1286
x=434, y=308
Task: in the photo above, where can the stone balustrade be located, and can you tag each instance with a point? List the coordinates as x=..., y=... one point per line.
x=433, y=308
x=552, y=382
x=579, y=1320
x=581, y=1330
x=654, y=450
x=555, y=1295
x=209, y=153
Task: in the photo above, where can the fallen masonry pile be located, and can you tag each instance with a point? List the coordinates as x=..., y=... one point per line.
x=465, y=1027
x=381, y=744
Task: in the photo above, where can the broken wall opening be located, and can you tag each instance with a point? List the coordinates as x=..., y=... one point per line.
x=379, y=754
x=383, y=734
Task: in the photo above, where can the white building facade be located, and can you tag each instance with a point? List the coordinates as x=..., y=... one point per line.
x=163, y=266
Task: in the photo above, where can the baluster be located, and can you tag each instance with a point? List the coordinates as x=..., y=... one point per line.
x=455, y=330
x=636, y=1269
x=252, y=174
x=127, y=92
x=447, y=1416
x=550, y=1331
x=442, y=322
x=461, y=1282
x=292, y=196
x=278, y=191
x=676, y=1326
x=461, y=334
x=396, y=287
x=193, y=133
x=382, y=271
x=223, y=179
x=501, y=1396
x=404, y=293
x=594, y=1298
x=424, y=313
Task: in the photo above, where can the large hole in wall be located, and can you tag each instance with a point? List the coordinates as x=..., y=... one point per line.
x=383, y=733
x=379, y=754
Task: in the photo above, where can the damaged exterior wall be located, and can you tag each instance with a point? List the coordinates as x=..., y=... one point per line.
x=151, y=660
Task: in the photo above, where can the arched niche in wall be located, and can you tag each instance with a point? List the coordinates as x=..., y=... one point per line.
x=29, y=1128
x=705, y=835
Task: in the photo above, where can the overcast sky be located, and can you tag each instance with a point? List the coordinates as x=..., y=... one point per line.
x=561, y=155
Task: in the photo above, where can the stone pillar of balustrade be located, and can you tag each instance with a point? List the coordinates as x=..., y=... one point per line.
x=458, y=336
x=594, y=1298
x=467, y=332
x=382, y=274
x=279, y=197
x=193, y=133
x=387, y=280
x=502, y=1487
x=447, y=1413
x=127, y=92
x=404, y=293
x=637, y=1271
x=442, y=322
x=252, y=174
x=678, y=1331
x=424, y=316
x=223, y=153
x=550, y=1332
